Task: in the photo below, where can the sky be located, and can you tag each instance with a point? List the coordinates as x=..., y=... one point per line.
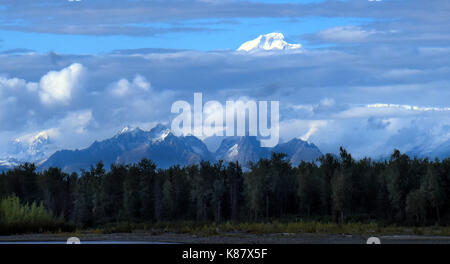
x=371, y=75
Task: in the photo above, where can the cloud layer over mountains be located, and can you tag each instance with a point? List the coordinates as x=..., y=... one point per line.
x=330, y=97
x=370, y=87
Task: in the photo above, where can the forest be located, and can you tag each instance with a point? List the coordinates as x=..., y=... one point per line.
x=400, y=191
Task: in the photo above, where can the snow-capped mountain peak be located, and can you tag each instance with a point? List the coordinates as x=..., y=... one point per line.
x=36, y=139
x=31, y=147
x=157, y=144
x=129, y=130
x=159, y=133
x=248, y=148
x=124, y=130
x=162, y=135
x=241, y=149
x=271, y=41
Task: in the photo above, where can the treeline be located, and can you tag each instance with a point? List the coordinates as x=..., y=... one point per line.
x=401, y=191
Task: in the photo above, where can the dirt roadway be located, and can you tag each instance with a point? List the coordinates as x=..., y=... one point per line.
x=239, y=238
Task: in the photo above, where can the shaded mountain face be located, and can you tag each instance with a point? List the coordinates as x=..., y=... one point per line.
x=168, y=150
x=431, y=151
x=443, y=151
x=241, y=149
x=130, y=146
x=246, y=149
x=165, y=149
x=298, y=150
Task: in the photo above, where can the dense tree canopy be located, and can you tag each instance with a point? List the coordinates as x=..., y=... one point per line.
x=401, y=190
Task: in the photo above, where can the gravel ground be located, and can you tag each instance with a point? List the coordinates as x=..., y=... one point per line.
x=233, y=238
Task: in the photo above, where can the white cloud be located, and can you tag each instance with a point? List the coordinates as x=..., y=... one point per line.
x=313, y=127
x=401, y=73
x=328, y=102
x=59, y=86
x=73, y=122
x=380, y=110
x=301, y=128
x=123, y=87
x=15, y=85
x=38, y=145
x=409, y=107
x=336, y=86
x=29, y=138
x=345, y=34
x=370, y=129
x=326, y=105
x=77, y=121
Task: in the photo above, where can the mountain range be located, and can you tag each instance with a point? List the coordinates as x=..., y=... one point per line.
x=431, y=151
x=165, y=149
x=159, y=144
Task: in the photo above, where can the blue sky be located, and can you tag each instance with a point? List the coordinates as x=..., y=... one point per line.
x=221, y=35
x=226, y=32
x=371, y=76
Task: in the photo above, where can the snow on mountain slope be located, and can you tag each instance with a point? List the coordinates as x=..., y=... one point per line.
x=241, y=149
x=8, y=163
x=271, y=41
x=30, y=148
x=298, y=150
x=246, y=149
x=130, y=146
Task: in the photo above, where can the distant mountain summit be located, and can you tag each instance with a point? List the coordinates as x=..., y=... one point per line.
x=271, y=41
x=31, y=148
x=241, y=149
x=160, y=145
x=298, y=150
